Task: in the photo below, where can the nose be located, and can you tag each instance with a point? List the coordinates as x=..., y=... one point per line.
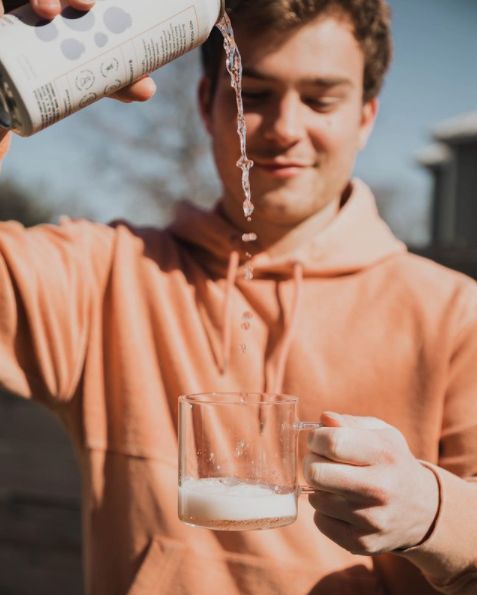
x=285, y=124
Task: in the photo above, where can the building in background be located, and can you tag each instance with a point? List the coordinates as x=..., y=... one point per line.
x=452, y=162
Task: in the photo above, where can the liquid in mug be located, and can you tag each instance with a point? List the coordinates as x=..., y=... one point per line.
x=228, y=504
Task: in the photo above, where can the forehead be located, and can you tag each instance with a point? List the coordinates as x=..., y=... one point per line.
x=324, y=47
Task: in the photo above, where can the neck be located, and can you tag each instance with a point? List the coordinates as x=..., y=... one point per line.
x=279, y=237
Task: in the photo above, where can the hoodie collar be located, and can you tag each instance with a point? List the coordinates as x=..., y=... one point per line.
x=357, y=238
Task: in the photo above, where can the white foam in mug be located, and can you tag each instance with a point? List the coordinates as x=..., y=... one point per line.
x=229, y=504
x=50, y=69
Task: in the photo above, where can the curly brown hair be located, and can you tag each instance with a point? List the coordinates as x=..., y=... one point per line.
x=370, y=19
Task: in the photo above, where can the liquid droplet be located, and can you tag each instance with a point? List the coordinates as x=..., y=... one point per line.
x=249, y=237
x=247, y=315
x=243, y=348
x=248, y=274
x=248, y=208
x=245, y=326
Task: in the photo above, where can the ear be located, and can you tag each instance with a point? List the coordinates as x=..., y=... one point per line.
x=205, y=102
x=368, y=118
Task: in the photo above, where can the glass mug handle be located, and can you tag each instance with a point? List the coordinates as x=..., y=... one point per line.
x=310, y=427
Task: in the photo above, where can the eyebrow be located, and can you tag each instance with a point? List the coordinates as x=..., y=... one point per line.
x=323, y=82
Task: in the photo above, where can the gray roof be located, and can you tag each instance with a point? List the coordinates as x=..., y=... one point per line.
x=458, y=129
x=434, y=155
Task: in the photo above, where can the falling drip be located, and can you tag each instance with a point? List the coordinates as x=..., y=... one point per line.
x=233, y=63
x=248, y=209
x=249, y=237
x=248, y=273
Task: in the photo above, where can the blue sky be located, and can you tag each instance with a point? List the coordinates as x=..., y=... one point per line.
x=432, y=79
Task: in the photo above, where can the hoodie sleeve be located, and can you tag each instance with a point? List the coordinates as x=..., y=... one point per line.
x=50, y=279
x=448, y=557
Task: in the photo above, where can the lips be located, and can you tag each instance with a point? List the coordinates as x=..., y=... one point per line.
x=282, y=168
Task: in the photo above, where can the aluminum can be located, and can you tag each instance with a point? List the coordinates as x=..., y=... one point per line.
x=51, y=69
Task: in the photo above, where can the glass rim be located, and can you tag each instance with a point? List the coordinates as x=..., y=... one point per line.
x=236, y=397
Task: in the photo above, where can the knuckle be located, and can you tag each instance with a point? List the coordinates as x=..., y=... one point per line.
x=378, y=494
x=335, y=443
x=312, y=470
x=315, y=473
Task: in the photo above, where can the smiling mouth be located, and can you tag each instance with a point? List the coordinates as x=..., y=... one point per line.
x=283, y=169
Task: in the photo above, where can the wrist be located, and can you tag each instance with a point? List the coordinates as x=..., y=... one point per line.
x=429, y=493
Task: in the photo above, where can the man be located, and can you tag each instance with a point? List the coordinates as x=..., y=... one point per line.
x=107, y=325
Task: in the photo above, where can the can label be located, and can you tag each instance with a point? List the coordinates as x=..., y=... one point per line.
x=54, y=68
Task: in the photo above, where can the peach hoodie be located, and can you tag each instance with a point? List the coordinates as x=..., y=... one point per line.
x=107, y=325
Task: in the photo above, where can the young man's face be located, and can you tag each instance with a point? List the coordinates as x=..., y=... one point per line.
x=305, y=119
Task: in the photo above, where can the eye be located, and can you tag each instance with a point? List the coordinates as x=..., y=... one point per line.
x=251, y=96
x=321, y=104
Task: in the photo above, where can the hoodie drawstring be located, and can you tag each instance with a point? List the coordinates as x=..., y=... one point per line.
x=285, y=343
x=290, y=328
x=234, y=261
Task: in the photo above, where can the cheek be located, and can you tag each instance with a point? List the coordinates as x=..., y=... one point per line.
x=336, y=135
x=253, y=123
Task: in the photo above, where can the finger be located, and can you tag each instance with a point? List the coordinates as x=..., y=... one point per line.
x=337, y=507
x=356, y=484
x=46, y=8
x=141, y=90
x=5, y=140
x=339, y=420
x=81, y=4
x=350, y=445
x=51, y=8
x=338, y=531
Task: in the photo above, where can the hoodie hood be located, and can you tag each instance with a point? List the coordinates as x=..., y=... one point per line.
x=356, y=239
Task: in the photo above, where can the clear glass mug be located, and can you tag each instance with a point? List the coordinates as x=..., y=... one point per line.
x=238, y=460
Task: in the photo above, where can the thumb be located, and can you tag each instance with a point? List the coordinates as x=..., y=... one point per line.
x=332, y=419
x=5, y=139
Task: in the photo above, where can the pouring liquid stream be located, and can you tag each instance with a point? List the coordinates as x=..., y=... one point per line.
x=233, y=63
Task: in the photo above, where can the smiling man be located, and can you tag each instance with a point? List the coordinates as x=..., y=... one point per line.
x=107, y=325
x=306, y=121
